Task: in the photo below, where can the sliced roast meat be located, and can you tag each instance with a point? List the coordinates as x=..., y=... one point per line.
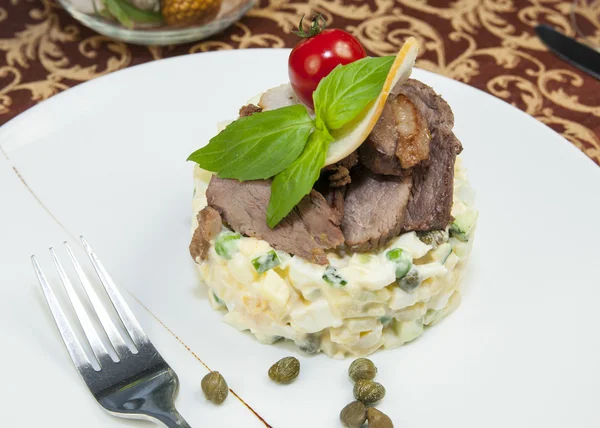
x=339, y=172
x=339, y=177
x=378, y=152
x=399, y=140
x=413, y=130
x=310, y=229
x=209, y=226
x=434, y=108
x=427, y=156
x=374, y=209
x=335, y=198
x=249, y=110
x=431, y=195
x=334, y=181
x=405, y=183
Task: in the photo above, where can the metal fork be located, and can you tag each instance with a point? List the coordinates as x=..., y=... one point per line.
x=137, y=383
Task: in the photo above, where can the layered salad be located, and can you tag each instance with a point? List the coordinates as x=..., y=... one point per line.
x=342, y=223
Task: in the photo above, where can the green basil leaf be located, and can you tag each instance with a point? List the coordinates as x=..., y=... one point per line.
x=348, y=89
x=296, y=181
x=258, y=146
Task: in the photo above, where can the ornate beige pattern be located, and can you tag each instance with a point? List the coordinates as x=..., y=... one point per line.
x=489, y=44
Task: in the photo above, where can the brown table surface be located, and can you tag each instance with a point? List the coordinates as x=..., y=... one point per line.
x=488, y=44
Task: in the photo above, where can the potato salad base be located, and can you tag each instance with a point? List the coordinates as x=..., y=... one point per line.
x=359, y=303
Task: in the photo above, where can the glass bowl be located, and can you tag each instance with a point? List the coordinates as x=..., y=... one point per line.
x=87, y=12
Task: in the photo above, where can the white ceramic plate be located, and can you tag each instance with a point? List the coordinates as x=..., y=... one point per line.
x=107, y=159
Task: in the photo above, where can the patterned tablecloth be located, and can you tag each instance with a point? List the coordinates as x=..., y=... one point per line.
x=489, y=44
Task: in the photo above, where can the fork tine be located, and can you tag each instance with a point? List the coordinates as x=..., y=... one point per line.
x=109, y=327
x=131, y=323
x=88, y=328
x=66, y=332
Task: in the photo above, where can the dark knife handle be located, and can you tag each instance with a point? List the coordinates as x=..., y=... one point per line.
x=570, y=50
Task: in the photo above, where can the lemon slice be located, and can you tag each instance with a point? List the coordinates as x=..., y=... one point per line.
x=351, y=136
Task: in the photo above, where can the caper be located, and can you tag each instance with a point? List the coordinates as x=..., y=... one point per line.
x=353, y=415
x=368, y=392
x=410, y=281
x=362, y=368
x=285, y=370
x=214, y=387
x=378, y=419
x=434, y=237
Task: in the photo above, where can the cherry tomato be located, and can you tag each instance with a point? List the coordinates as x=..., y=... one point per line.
x=315, y=56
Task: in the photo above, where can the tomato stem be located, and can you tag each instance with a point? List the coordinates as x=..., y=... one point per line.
x=317, y=25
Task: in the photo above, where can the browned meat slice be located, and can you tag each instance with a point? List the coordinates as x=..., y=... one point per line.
x=249, y=110
x=209, y=226
x=334, y=182
x=311, y=228
x=399, y=140
x=374, y=209
x=339, y=172
x=431, y=199
x=414, y=137
x=335, y=198
x=378, y=152
x=434, y=108
x=340, y=177
x=431, y=195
